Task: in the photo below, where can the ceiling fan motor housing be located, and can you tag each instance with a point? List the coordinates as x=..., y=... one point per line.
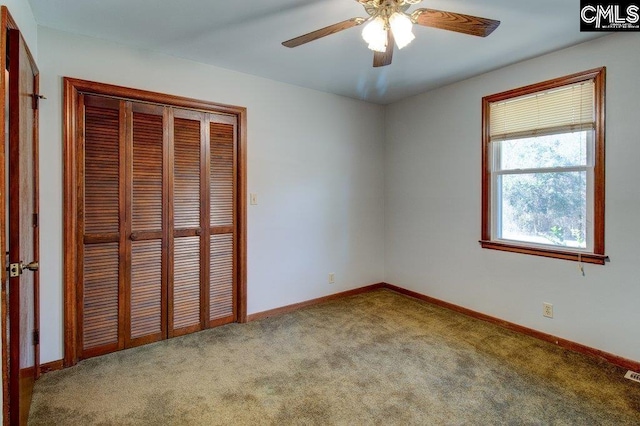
x=386, y=8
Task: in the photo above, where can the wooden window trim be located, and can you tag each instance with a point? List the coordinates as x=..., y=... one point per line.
x=598, y=255
x=72, y=87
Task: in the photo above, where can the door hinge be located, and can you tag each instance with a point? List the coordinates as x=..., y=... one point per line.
x=36, y=337
x=35, y=220
x=36, y=100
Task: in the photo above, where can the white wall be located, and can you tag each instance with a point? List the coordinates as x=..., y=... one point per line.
x=21, y=12
x=314, y=159
x=433, y=195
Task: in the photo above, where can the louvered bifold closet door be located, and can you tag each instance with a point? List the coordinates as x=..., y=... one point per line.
x=222, y=202
x=157, y=215
x=100, y=222
x=187, y=302
x=148, y=280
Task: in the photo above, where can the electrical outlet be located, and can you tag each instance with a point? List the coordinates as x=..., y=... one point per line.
x=332, y=278
x=632, y=375
x=547, y=310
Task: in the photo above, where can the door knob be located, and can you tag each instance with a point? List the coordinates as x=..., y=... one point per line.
x=33, y=266
x=16, y=269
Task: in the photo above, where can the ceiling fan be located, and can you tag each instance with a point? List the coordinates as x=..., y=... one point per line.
x=388, y=22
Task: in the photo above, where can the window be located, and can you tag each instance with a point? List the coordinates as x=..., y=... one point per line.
x=543, y=169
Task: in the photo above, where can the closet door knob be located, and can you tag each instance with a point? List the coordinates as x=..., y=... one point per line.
x=33, y=266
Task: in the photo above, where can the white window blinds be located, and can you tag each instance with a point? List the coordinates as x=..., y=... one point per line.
x=565, y=109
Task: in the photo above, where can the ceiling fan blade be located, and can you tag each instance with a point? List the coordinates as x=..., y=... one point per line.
x=381, y=59
x=323, y=32
x=457, y=22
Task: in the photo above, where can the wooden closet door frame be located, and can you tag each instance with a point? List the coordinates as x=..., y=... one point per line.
x=72, y=187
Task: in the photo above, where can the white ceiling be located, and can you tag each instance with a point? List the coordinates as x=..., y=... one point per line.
x=245, y=36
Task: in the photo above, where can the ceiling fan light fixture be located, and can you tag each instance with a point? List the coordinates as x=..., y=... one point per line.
x=401, y=27
x=375, y=34
x=389, y=22
x=379, y=47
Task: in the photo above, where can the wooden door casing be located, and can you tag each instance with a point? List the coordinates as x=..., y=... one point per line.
x=175, y=215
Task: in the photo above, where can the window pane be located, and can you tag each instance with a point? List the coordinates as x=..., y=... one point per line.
x=560, y=150
x=544, y=208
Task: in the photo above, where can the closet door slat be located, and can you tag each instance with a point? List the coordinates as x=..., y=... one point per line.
x=100, y=301
x=186, y=187
x=147, y=172
x=222, y=198
x=221, y=287
x=186, y=285
x=101, y=180
x=146, y=289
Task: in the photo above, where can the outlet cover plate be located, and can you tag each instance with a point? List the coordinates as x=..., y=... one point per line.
x=632, y=375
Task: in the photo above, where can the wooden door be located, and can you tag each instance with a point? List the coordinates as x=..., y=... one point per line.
x=188, y=212
x=148, y=219
x=157, y=222
x=122, y=298
x=223, y=210
x=100, y=222
x=23, y=227
x=204, y=209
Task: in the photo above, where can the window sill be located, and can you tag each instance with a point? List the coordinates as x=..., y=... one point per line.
x=596, y=259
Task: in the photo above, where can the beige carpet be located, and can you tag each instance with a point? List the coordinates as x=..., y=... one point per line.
x=374, y=359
